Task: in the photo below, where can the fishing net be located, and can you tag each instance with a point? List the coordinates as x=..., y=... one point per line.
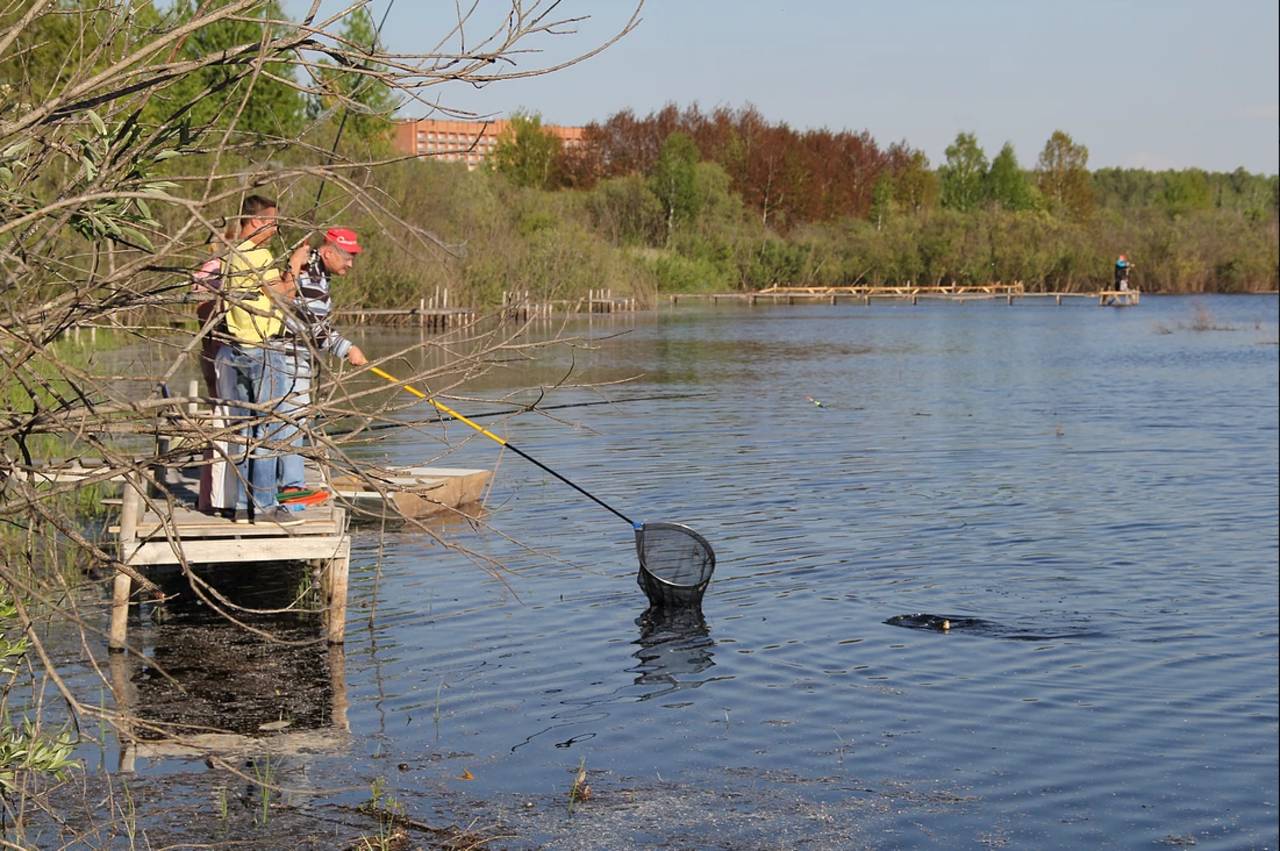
x=676, y=564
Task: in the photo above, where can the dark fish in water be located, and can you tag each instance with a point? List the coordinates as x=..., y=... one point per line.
x=978, y=626
x=937, y=623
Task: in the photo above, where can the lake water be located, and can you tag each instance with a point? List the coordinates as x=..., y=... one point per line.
x=1095, y=488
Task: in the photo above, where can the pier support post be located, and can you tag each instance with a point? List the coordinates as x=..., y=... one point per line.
x=335, y=594
x=130, y=509
x=120, y=590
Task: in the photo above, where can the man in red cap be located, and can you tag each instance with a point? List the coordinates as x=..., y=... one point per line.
x=307, y=325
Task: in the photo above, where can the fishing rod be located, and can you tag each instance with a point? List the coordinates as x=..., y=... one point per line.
x=445, y=409
x=444, y=418
x=676, y=562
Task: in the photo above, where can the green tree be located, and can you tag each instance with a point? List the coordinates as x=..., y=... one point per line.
x=47, y=51
x=362, y=100
x=1185, y=191
x=71, y=41
x=1007, y=185
x=964, y=174
x=525, y=153
x=1063, y=176
x=718, y=205
x=624, y=210
x=915, y=185
x=881, y=200
x=674, y=181
x=266, y=104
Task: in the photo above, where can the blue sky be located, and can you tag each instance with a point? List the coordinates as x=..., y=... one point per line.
x=1145, y=83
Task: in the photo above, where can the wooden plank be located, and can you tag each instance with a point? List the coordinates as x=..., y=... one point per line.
x=68, y=474
x=237, y=550
x=317, y=520
x=154, y=530
x=329, y=740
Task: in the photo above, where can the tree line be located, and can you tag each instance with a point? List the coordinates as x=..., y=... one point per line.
x=839, y=208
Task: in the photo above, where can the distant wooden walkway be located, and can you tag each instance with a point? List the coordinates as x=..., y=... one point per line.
x=516, y=305
x=867, y=294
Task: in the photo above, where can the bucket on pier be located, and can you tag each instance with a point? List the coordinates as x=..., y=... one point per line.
x=676, y=564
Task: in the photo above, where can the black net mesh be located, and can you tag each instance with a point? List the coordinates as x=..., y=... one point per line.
x=676, y=564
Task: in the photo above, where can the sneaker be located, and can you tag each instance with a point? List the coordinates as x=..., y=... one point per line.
x=241, y=515
x=280, y=516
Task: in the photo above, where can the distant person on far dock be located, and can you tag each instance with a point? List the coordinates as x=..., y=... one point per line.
x=1123, y=268
x=308, y=330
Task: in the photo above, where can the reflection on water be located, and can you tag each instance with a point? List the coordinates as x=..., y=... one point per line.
x=205, y=686
x=675, y=646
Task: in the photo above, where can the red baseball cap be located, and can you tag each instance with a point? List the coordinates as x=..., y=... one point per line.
x=344, y=239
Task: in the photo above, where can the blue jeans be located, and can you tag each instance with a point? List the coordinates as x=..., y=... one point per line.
x=296, y=392
x=252, y=375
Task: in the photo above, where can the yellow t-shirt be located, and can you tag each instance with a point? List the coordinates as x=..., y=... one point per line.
x=253, y=316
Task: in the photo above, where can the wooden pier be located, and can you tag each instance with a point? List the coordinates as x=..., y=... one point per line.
x=160, y=534
x=866, y=294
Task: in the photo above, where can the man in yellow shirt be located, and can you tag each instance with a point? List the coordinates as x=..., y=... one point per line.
x=249, y=369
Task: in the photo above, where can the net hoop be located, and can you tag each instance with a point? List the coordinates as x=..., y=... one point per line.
x=663, y=591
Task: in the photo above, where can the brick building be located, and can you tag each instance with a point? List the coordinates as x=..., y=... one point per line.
x=463, y=141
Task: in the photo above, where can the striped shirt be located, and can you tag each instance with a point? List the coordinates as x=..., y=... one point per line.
x=309, y=318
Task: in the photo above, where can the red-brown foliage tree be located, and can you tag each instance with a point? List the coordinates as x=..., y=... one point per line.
x=784, y=177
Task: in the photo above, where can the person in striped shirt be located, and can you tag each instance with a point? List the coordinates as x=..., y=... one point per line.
x=309, y=331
